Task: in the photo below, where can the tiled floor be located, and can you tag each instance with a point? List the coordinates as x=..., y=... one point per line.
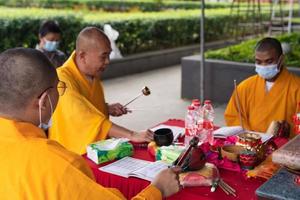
x=163, y=103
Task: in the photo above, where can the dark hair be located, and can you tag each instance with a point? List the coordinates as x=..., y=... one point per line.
x=49, y=26
x=267, y=44
x=24, y=74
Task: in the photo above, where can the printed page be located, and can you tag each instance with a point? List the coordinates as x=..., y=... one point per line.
x=125, y=166
x=150, y=171
x=226, y=131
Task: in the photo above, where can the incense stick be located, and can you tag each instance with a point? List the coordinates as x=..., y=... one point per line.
x=227, y=188
x=237, y=99
x=223, y=189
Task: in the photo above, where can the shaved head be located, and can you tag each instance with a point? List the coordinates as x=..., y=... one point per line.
x=269, y=44
x=91, y=38
x=24, y=75
x=92, y=52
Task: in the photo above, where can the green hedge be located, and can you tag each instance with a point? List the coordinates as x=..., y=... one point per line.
x=113, y=5
x=20, y=27
x=139, y=32
x=244, y=52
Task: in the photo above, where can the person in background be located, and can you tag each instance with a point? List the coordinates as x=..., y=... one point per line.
x=33, y=166
x=271, y=95
x=49, y=38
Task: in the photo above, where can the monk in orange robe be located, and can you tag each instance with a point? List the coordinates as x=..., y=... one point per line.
x=82, y=115
x=271, y=95
x=32, y=166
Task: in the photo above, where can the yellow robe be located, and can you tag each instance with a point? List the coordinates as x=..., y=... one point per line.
x=34, y=167
x=81, y=115
x=259, y=107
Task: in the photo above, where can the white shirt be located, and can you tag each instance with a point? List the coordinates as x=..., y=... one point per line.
x=269, y=85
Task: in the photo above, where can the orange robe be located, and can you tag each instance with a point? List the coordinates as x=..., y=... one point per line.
x=34, y=167
x=259, y=107
x=81, y=115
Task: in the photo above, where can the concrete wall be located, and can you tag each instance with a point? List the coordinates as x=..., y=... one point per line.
x=219, y=76
x=157, y=59
x=147, y=61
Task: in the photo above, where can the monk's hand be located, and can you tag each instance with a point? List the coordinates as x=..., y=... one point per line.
x=167, y=181
x=117, y=110
x=144, y=136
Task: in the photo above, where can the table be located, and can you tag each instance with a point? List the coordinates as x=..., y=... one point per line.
x=131, y=186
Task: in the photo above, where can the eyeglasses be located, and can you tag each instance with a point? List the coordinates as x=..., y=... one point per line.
x=61, y=88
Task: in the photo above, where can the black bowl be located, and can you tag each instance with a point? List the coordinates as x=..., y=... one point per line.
x=163, y=137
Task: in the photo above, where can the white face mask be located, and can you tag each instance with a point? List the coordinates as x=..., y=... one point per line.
x=267, y=71
x=49, y=124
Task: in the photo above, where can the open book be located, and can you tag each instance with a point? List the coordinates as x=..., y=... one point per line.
x=132, y=167
x=227, y=131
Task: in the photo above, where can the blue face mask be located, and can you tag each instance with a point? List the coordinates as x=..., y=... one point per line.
x=50, y=45
x=267, y=71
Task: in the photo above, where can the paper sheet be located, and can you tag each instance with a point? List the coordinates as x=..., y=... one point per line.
x=226, y=131
x=125, y=166
x=133, y=167
x=150, y=171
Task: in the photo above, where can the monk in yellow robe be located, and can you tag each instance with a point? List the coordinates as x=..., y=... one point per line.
x=82, y=115
x=32, y=166
x=271, y=95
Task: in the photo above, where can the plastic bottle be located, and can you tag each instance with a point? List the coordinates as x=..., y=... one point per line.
x=190, y=128
x=206, y=134
x=208, y=111
x=198, y=115
x=197, y=105
x=196, y=102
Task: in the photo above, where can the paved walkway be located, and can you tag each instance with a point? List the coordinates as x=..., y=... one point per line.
x=163, y=103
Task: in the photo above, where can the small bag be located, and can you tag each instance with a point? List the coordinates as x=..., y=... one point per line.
x=202, y=177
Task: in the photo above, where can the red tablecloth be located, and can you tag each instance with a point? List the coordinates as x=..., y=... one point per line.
x=131, y=186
